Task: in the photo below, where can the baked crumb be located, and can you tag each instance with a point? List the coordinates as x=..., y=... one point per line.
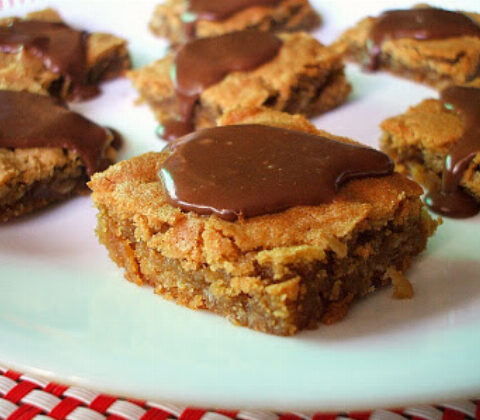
x=402, y=288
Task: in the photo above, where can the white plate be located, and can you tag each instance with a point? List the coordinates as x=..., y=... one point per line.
x=67, y=313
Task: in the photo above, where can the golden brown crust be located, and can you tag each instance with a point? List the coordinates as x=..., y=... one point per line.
x=33, y=178
x=419, y=140
x=107, y=57
x=289, y=15
x=305, y=77
x=264, y=116
x=131, y=187
x=435, y=62
x=270, y=272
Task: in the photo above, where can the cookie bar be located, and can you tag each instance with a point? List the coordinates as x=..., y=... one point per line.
x=70, y=66
x=304, y=77
x=47, y=153
x=284, y=15
x=422, y=140
x=277, y=273
x=428, y=45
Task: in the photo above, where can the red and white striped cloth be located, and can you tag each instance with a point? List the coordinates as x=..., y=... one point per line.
x=23, y=397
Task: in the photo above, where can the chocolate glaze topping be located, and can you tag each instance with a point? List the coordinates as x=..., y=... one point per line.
x=420, y=24
x=217, y=10
x=28, y=120
x=243, y=171
x=61, y=48
x=450, y=200
x=204, y=62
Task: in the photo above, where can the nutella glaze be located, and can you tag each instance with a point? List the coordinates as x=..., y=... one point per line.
x=203, y=62
x=62, y=49
x=420, y=24
x=450, y=200
x=216, y=10
x=28, y=120
x=243, y=171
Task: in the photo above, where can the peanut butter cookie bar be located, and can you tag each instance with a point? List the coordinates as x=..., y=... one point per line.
x=438, y=143
x=181, y=20
x=262, y=253
x=287, y=72
x=433, y=46
x=47, y=153
x=41, y=54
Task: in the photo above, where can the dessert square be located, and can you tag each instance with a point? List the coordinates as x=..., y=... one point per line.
x=437, y=62
x=419, y=141
x=305, y=77
x=286, y=15
x=42, y=159
x=278, y=273
x=106, y=58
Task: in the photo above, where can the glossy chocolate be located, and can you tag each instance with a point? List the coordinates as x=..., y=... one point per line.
x=217, y=10
x=421, y=24
x=61, y=48
x=28, y=120
x=450, y=200
x=243, y=171
x=203, y=62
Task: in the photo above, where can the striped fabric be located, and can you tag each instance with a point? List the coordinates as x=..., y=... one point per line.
x=23, y=397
